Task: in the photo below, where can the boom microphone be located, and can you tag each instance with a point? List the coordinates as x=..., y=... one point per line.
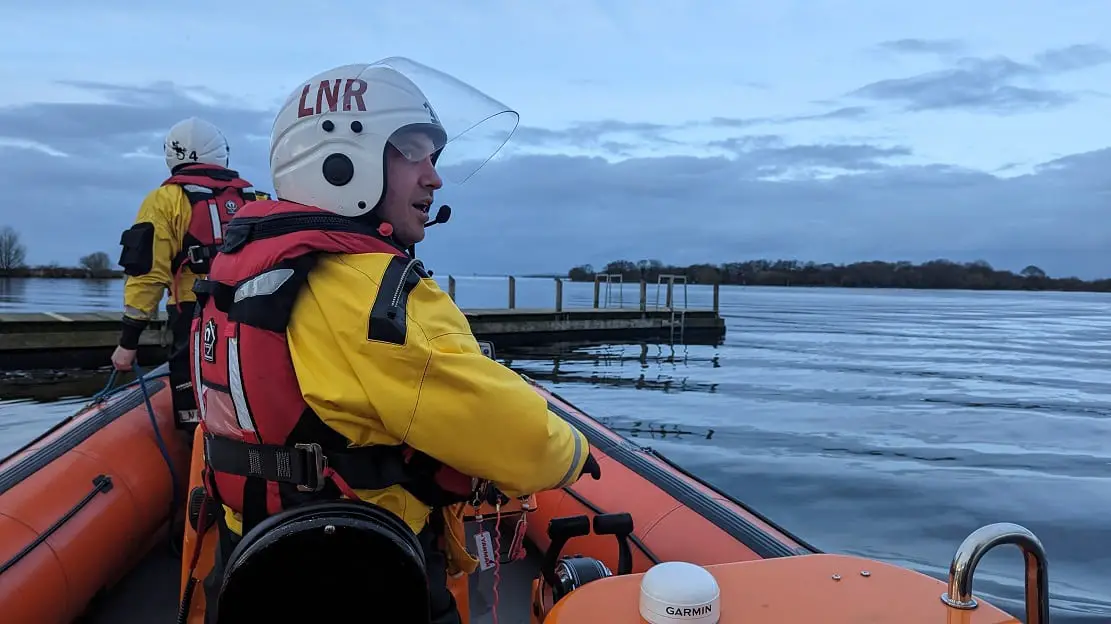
x=442, y=216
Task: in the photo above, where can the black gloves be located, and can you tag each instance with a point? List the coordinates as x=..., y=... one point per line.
x=494, y=496
x=591, y=467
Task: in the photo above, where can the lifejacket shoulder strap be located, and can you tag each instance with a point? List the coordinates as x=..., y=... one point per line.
x=199, y=174
x=196, y=193
x=201, y=184
x=264, y=301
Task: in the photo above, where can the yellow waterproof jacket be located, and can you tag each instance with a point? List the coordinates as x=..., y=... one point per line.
x=436, y=392
x=169, y=211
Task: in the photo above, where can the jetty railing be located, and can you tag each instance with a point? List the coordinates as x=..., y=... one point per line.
x=582, y=312
x=608, y=293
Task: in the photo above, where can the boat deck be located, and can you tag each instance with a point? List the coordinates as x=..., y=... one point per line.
x=149, y=593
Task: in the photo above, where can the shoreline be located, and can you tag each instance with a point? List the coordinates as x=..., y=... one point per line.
x=863, y=276
x=1098, y=288
x=938, y=274
x=1087, y=287
x=59, y=273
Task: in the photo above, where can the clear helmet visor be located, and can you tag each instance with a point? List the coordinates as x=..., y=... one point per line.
x=465, y=127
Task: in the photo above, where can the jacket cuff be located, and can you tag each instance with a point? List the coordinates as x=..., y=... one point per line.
x=130, y=331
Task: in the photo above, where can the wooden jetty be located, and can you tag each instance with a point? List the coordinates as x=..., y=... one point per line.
x=45, y=340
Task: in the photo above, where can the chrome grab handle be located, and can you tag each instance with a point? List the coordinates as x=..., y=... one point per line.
x=977, y=544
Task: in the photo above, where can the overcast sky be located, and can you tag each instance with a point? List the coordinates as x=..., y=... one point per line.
x=683, y=131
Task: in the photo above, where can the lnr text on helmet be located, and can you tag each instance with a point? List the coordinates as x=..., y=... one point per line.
x=328, y=90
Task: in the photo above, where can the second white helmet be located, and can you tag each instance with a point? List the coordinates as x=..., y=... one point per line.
x=328, y=144
x=191, y=141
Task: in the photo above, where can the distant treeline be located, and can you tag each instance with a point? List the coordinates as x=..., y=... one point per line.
x=56, y=271
x=942, y=273
x=13, y=254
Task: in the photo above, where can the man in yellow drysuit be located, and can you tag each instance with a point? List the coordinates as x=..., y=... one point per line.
x=318, y=326
x=178, y=227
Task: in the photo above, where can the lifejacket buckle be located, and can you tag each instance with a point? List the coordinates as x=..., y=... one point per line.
x=318, y=466
x=192, y=254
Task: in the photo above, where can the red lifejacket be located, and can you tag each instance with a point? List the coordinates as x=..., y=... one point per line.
x=265, y=449
x=216, y=194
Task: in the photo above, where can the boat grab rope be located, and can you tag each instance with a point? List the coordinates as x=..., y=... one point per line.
x=101, y=484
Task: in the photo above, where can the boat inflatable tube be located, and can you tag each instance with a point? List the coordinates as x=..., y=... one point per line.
x=84, y=503
x=323, y=562
x=677, y=592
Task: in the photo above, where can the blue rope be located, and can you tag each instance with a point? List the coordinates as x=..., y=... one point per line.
x=141, y=379
x=107, y=390
x=110, y=389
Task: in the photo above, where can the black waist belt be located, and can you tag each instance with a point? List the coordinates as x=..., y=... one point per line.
x=363, y=468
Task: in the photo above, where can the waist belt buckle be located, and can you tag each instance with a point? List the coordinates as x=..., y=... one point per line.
x=315, y=468
x=193, y=254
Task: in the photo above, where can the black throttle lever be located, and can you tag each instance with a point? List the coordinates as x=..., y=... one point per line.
x=619, y=525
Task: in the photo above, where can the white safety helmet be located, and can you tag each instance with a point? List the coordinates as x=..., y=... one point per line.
x=328, y=144
x=192, y=141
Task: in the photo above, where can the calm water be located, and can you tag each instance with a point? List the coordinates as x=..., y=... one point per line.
x=883, y=423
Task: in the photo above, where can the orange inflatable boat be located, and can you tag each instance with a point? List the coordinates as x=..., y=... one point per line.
x=95, y=516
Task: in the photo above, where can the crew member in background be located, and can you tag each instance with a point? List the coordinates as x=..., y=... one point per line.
x=317, y=327
x=175, y=234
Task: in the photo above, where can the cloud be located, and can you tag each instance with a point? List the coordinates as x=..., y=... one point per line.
x=1072, y=58
x=624, y=138
x=922, y=46
x=844, y=113
x=613, y=136
x=125, y=113
x=763, y=157
x=75, y=174
x=688, y=209
x=996, y=84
